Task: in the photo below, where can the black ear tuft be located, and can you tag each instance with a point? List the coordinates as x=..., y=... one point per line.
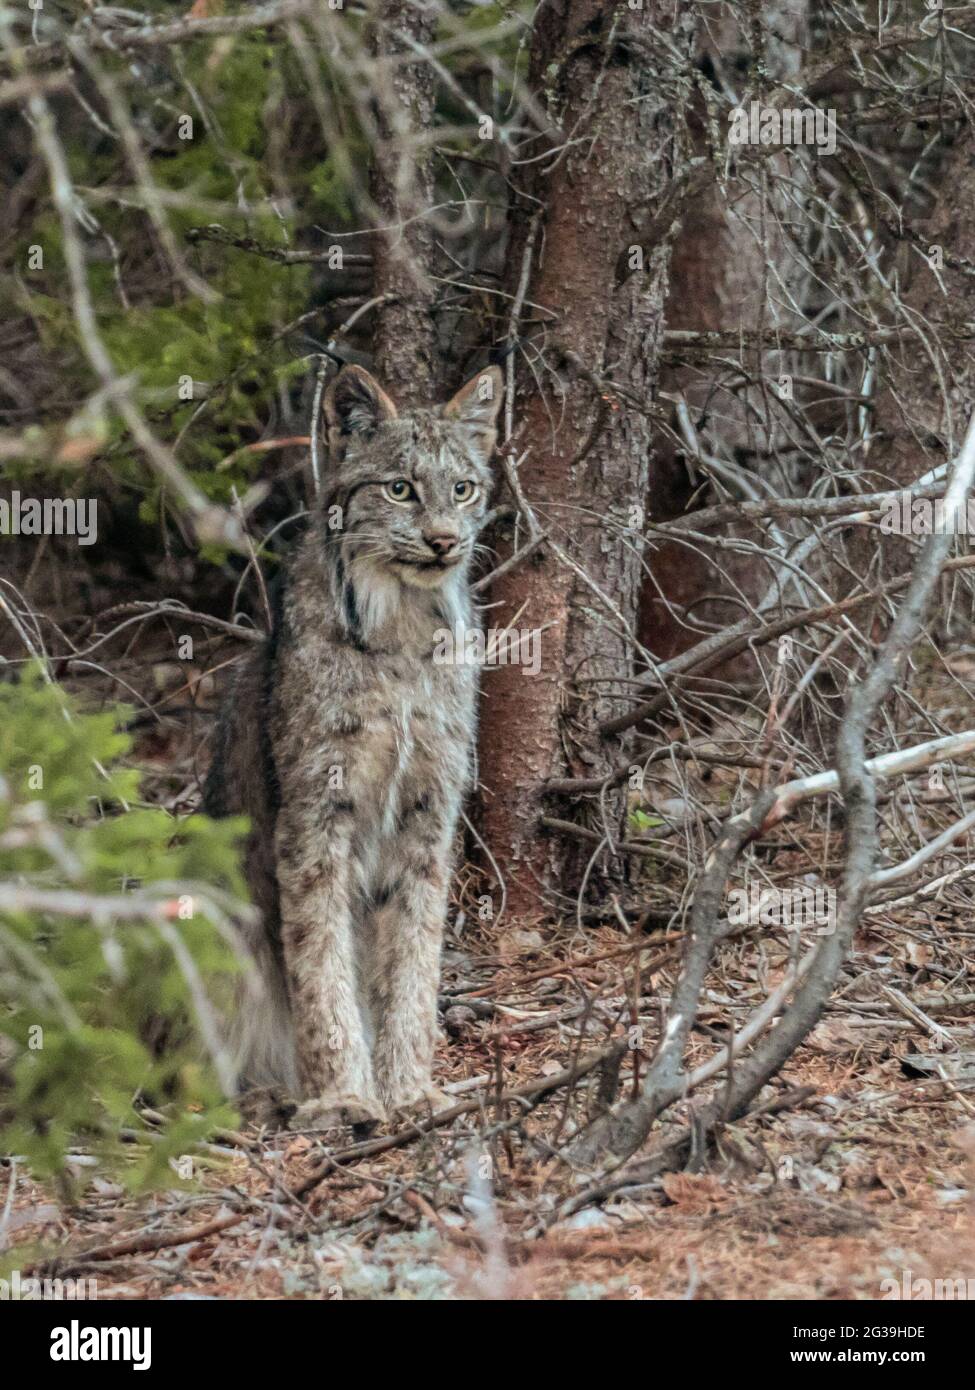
x=354, y=404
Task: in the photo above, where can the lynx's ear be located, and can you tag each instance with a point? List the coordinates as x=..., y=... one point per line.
x=476, y=405
x=355, y=404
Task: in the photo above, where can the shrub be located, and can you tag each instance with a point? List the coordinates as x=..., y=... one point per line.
x=116, y=946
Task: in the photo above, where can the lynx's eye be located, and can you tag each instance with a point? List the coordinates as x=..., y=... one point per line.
x=465, y=492
x=399, y=490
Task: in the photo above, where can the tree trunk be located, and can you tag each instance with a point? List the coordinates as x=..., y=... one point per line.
x=586, y=451
x=719, y=281
x=928, y=381
x=402, y=189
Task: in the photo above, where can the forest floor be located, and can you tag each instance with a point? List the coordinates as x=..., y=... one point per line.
x=865, y=1179
x=854, y=1177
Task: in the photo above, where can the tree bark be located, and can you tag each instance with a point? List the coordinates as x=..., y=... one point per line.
x=586, y=451
x=719, y=281
x=402, y=186
x=927, y=382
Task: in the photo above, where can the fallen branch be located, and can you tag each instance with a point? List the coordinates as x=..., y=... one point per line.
x=580, y=832
x=186, y=615
x=674, y=1154
x=746, y=634
x=143, y=1242
x=620, y=1133
x=791, y=794
x=576, y=786
x=529, y=1091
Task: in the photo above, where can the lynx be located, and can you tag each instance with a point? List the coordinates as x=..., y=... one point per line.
x=350, y=749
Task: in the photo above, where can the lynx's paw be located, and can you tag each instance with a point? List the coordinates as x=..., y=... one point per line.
x=266, y=1107
x=426, y=1100
x=334, y=1108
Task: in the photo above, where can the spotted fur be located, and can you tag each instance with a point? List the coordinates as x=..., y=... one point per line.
x=351, y=749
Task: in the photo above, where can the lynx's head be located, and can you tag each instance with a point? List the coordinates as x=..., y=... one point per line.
x=412, y=488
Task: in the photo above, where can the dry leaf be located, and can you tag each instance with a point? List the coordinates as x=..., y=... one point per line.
x=698, y=1192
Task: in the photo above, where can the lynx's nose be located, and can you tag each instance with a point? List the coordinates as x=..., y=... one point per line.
x=442, y=542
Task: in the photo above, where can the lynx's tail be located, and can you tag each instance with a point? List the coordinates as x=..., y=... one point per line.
x=260, y=1034
x=242, y=782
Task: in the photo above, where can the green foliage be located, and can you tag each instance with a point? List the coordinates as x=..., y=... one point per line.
x=89, y=987
x=243, y=130
x=158, y=334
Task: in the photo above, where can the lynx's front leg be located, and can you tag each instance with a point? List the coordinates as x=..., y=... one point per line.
x=315, y=873
x=409, y=927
